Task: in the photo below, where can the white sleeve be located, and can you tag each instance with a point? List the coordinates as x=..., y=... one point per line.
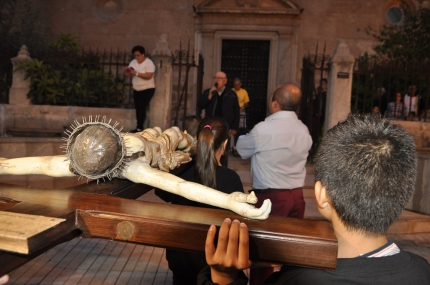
x=150, y=67
x=247, y=144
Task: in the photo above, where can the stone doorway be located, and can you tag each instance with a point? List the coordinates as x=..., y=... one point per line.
x=249, y=61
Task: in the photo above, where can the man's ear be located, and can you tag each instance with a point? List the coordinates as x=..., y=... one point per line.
x=322, y=199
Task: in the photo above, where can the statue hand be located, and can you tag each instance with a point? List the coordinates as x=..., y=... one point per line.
x=240, y=204
x=172, y=160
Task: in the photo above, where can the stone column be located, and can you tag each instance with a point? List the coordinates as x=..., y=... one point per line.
x=161, y=103
x=339, y=86
x=20, y=86
x=420, y=200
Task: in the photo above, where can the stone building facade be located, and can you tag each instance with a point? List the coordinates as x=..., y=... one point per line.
x=292, y=28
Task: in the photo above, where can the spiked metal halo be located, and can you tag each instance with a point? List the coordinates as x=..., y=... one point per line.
x=96, y=148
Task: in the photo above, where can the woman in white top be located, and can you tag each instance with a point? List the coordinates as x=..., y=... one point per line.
x=141, y=69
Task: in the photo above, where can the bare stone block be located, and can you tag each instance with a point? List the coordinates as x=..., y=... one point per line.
x=12, y=149
x=420, y=201
x=14, y=179
x=40, y=149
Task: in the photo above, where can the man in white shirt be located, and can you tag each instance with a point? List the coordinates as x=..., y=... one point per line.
x=278, y=148
x=141, y=69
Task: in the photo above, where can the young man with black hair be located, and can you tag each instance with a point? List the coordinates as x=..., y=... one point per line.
x=365, y=172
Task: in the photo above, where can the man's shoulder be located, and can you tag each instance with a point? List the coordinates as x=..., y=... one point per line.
x=229, y=92
x=240, y=91
x=133, y=62
x=285, y=116
x=418, y=260
x=206, y=91
x=149, y=62
x=401, y=268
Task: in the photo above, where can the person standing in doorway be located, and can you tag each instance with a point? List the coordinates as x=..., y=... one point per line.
x=242, y=94
x=141, y=69
x=243, y=98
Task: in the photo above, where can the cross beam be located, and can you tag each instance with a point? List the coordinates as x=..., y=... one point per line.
x=89, y=211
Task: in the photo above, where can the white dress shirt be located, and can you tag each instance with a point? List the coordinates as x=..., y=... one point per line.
x=279, y=147
x=410, y=104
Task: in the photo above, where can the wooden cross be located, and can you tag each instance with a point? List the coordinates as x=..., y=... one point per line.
x=107, y=210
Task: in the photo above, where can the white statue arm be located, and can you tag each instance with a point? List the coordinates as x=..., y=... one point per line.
x=140, y=172
x=55, y=166
x=146, y=150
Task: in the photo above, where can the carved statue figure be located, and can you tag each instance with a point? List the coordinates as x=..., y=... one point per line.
x=95, y=149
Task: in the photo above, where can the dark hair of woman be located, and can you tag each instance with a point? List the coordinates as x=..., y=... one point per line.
x=211, y=135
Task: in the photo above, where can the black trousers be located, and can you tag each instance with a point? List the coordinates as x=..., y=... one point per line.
x=141, y=103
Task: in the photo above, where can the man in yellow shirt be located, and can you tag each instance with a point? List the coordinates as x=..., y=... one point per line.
x=243, y=98
x=242, y=95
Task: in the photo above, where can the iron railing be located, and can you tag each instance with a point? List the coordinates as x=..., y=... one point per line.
x=91, y=78
x=371, y=75
x=183, y=61
x=312, y=107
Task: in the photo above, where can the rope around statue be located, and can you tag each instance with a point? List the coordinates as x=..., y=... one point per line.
x=95, y=149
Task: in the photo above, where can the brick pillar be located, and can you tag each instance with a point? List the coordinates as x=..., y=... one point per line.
x=161, y=103
x=20, y=86
x=339, y=86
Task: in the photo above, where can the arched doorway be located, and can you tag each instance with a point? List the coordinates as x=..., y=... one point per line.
x=249, y=61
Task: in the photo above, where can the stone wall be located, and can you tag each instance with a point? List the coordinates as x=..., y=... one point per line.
x=420, y=201
x=24, y=147
x=326, y=21
x=47, y=119
x=419, y=130
x=57, y=118
x=123, y=24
